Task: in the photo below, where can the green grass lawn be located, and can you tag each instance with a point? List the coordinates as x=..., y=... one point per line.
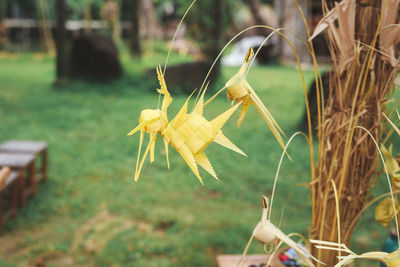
x=91, y=213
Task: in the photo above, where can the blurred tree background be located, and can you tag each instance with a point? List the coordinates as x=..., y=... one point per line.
x=208, y=23
x=32, y=25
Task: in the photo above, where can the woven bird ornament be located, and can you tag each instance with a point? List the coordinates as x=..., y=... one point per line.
x=189, y=134
x=240, y=91
x=267, y=233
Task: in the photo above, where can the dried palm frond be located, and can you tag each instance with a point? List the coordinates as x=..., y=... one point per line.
x=343, y=34
x=389, y=259
x=357, y=96
x=390, y=32
x=327, y=20
x=391, y=123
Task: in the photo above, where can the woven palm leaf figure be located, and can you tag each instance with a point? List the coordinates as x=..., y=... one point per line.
x=189, y=134
x=240, y=91
x=153, y=121
x=268, y=234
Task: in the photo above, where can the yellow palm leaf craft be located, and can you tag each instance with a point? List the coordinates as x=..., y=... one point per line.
x=268, y=234
x=389, y=259
x=392, y=165
x=152, y=121
x=390, y=32
x=240, y=91
x=190, y=134
x=384, y=212
x=343, y=34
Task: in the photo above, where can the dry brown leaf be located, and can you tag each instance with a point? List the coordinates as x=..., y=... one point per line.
x=343, y=35
x=324, y=23
x=390, y=33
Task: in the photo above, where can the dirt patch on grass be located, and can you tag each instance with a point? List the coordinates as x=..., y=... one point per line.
x=79, y=245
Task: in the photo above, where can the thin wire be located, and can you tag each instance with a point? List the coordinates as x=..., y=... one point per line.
x=379, y=51
x=240, y=33
x=214, y=96
x=245, y=251
x=176, y=32
x=279, y=30
x=279, y=167
x=172, y=42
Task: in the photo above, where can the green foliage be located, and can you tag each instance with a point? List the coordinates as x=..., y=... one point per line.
x=77, y=8
x=269, y=2
x=28, y=7
x=201, y=21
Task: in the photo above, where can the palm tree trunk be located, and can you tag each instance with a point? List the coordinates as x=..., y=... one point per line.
x=3, y=31
x=348, y=156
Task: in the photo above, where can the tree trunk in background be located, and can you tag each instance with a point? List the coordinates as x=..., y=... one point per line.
x=3, y=31
x=255, y=8
x=46, y=38
x=88, y=17
x=147, y=18
x=350, y=169
x=61, y=46
x=218, y=18
x=289, y=17
x=135, y=30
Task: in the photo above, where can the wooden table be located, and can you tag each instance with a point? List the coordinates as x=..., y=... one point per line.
x=13, y=184
x=249, y=261
x=37, y=148
x=23, y=163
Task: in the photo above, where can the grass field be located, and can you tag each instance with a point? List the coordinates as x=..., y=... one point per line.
x=91, y=213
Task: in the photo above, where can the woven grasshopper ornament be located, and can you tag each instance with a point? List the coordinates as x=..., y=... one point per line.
x=240, y=91
x=153, y=121
x=189, y=134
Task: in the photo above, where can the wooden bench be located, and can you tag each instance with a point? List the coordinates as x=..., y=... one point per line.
x=24, y=163
x=36, y=148
x=10, y=191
